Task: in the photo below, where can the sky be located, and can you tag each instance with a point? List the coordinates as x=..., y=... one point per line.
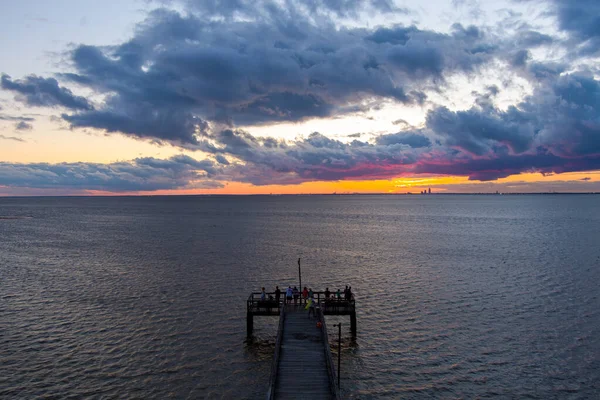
x=308, y=96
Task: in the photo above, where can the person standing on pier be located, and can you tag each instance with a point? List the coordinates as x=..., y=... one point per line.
x=263, y=295
x=288, y=295
x=296, y=295
x=277, y=295
x=311, y=307
x=305, y=294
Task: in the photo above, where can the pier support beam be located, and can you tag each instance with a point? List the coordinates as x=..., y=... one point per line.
x=353, y=323
x=249, y=323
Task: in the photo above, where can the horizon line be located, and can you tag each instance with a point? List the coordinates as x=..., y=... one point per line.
x=416, y=194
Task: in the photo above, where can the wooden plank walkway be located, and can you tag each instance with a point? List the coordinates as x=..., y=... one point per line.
x=302, y=370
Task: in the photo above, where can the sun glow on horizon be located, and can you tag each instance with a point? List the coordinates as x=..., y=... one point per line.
x=524, y=183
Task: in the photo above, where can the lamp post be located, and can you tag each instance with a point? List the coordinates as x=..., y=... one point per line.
x=299, y=274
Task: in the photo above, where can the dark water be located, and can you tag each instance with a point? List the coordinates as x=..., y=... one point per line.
x=458, y=296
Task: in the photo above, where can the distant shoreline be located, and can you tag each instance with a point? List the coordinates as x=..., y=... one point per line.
x=306, y=195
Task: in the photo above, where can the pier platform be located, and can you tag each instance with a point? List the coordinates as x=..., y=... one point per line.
x=302, y=366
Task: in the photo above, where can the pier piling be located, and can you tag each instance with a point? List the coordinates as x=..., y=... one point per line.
x=249, y=323
x=353, y=323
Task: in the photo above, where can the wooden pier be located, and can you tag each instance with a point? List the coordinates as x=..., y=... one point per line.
x=302, y=366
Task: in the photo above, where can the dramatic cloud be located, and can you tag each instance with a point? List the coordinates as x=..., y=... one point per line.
x=408, y=138
x=279, y=66
x=167, y=124
x=142, y=174
x=556, y=129
x=44, y=92
x=23, y=126
x=318, y=157
x=581, y=18
x=260, y=8
x=477, y=131
x=204, y=77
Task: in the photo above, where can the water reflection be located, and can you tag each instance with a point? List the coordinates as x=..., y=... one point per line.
x=145, y=297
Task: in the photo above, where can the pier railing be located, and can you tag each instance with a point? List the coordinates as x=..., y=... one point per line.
x=329, y=305
x=275, y=362
x=270, y=306
x=331, y=372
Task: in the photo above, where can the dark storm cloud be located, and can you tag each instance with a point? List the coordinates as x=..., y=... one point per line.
x=315, y=157
x=23, y=126
x=561, y=115
x=221, y=160
x=478, y=130
x=320, y=158
x=501, y=166
x=532, y=39
x=415, y=140
x=554, y=130
x=142, y=174
x=44, y=92
x=254, y=8
x=572, y=119
x=250, y=63
x=165, y=124
x=581, y=18
x=278, y=66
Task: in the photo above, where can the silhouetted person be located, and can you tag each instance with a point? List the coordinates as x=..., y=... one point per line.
x=288, y=295
x=327, y=293
x=263, y=295
x=296, y=295
x=305, y=294
x=277, y=294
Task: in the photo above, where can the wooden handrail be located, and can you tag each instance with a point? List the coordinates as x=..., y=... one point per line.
x=275, y=362
x=319, y=296
x=328, y=358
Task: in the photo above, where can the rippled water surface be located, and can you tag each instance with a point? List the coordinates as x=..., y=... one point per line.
x=457, y=296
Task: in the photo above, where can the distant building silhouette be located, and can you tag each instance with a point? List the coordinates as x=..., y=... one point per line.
x=429, y=191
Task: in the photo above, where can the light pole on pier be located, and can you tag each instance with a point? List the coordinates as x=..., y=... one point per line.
x=299, y=275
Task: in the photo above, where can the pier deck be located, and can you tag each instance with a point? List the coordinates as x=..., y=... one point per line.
x=302, y=370
x=302, y=366
x=329, y=306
